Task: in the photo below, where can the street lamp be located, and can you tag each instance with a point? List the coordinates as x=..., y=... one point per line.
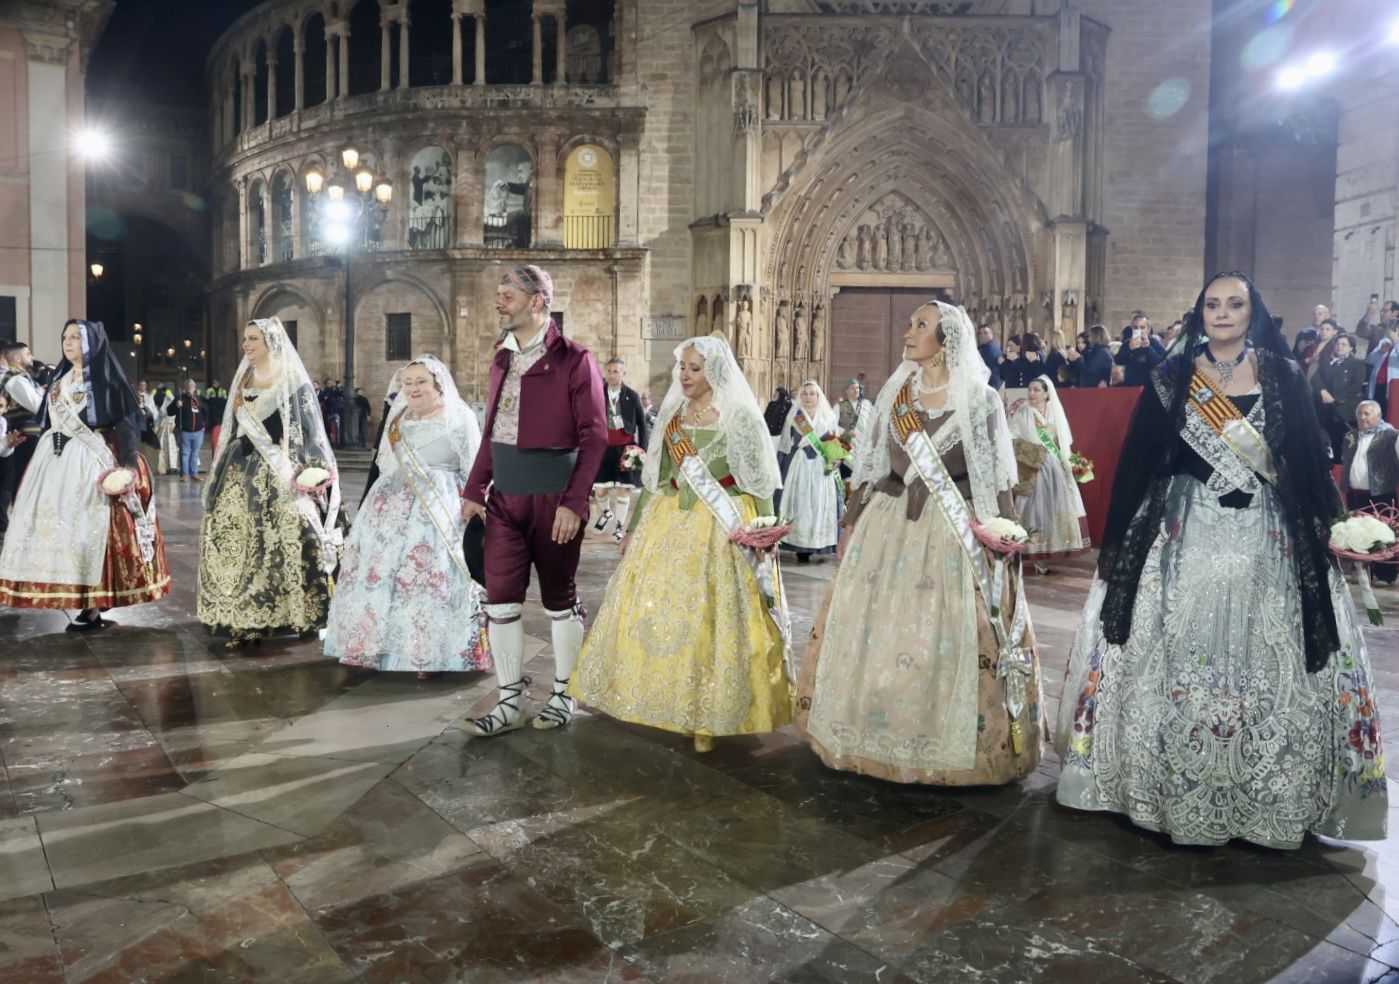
x=352, y=207
x=96, y=270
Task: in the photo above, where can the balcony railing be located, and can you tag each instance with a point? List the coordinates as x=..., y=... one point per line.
x=430, y=231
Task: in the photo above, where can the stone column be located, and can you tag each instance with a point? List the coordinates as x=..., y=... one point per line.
x=560, y=49
x=245, y=232
x=538, y=76
x=271, y=86
x=268, y=239
x=385, y=55
x=481, y=47
x=403, y=49
x=344, y=47
x=330, y=57
x=546, y=225
x=299, y=50
x=456, y=48
x=249, y=94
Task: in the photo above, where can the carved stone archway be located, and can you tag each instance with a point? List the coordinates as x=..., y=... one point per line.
x=904, y=191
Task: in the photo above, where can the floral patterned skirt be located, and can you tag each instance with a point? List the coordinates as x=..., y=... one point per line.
x=1206, y=724
x=401, y=602
x=899, y=680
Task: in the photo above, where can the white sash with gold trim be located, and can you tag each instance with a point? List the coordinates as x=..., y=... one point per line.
x=764, y=566
x=1015, y=662
x=72, y=424
x=425, y=491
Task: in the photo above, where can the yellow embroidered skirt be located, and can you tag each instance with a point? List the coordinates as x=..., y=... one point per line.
x=683, y=640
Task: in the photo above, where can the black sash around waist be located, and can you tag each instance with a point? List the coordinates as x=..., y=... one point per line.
x=531, y=471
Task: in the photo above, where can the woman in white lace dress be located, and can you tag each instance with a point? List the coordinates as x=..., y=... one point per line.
x=1053, y=510
x=1219, y=686
x=921, y=664
x=405, y=600
x=812, y=491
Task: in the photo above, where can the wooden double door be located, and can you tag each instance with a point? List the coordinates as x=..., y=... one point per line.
x=867, y=333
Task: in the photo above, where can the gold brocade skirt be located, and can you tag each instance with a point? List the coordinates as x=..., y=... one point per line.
x=683, y=640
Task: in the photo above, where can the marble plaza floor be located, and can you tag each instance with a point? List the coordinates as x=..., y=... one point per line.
x=170, y=811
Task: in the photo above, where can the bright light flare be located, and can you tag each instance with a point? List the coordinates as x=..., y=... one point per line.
x=93, y=144
x=1320, y=64
x=1291, y=78
x=337, y=235
x=338, y=211
x=1392, y=36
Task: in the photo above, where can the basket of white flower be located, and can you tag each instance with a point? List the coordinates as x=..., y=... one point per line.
x=1000, y=535
x=313, y=480
x=115, y=482
x=1367, y=536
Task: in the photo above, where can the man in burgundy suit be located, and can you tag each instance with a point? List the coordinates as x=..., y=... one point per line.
x=545, y=437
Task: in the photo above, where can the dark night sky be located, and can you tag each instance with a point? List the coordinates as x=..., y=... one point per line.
x=154, y=50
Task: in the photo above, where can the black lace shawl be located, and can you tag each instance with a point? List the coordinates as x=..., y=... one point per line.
x=1306, y=494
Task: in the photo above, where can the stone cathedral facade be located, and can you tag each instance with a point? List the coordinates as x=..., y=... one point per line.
x=799, y=174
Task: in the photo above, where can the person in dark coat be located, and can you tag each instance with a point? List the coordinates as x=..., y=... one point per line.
x=626, y=427
x=1095, y=365
x=990, y=354
x=1339, y=386
x=1140, y=352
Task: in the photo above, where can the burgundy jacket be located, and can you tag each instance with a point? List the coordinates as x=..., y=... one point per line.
x=561, y=406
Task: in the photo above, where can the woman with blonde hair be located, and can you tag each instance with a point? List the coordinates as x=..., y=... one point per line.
x=693, y=634
x=921, y=666
x=270, y=541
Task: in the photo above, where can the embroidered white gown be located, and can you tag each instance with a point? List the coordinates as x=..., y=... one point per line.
x=404, y=602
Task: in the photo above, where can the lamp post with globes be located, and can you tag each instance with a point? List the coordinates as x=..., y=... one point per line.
x=351, y=207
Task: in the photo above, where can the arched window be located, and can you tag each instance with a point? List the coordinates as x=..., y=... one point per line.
x=257, y=223
x=589, y=199
x=509, y=197
x=282, y=228
x=313, y=60
x=509, y=42
x=364, y=48
x=591, y=28
x=430, y=43
x=310, y=215
x=235, y=77
x=430, y=199
x=260, y=84
x=286, y=73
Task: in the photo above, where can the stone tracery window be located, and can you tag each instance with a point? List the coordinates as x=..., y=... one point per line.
x=282, y=191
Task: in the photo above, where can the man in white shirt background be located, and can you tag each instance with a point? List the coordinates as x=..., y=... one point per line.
x=1370, y=470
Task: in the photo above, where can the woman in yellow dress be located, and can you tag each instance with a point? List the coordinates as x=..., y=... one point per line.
x=693, y=633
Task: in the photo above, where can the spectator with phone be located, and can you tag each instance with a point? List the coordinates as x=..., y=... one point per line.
x=1140, y=351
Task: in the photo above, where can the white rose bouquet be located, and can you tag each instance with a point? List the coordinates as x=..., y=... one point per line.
x=116, y=482
x=313, y=480
x=1367, y=536
x=633, y=457
x=1000, y=535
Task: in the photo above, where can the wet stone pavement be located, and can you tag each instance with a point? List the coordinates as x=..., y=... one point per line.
x=170, y=811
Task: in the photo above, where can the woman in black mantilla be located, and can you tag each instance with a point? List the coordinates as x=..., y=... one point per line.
x=1219, y=685
x=626, y=427
x=267, y=550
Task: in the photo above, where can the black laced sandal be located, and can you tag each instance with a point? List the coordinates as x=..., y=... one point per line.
x=496, y=722
x=558, y=710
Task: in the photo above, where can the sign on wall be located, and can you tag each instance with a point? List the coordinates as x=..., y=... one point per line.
x=659, y=327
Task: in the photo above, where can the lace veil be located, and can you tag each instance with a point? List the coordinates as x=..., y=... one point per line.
x=457, y=418
x=748, y=446
x=824, y=420
x=980, y=418
x=291, y=394
x=1054, y=418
